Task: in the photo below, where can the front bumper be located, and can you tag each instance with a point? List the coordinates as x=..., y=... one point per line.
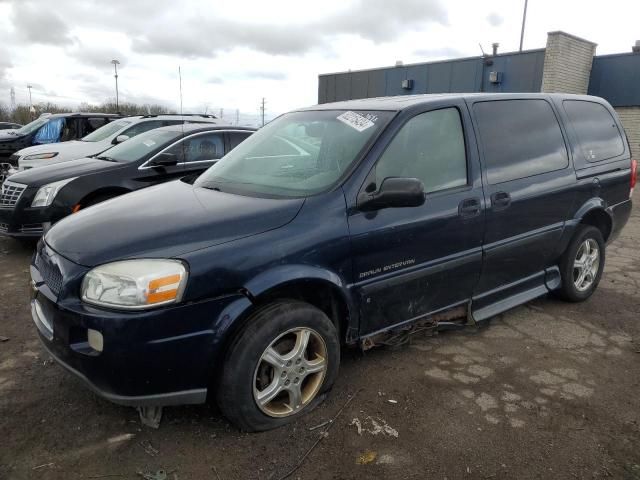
x=158, y=357
x=23, y=221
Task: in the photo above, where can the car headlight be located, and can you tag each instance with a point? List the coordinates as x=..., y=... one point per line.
x=40, y=156
x=135, y=284
x=45, y=195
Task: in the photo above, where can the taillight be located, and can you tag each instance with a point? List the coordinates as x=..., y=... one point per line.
x=634, y=176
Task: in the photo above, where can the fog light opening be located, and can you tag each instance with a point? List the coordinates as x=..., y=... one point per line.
x=95, y=339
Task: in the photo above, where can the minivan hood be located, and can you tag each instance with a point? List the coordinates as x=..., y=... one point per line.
x=165, y=221
x=37, y=177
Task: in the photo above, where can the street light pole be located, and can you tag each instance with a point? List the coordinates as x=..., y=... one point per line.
x=524, y=21
x=30, y=102
x=115, y=68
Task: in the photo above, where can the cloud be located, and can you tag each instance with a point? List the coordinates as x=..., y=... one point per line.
x=97, y=56
x=260, y=75
x=207, y=36
x=444, y=52
x=41, y=23
x=494, y=19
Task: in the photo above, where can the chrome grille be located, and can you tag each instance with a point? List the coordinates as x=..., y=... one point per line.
x=50, y=272
x=10, y=194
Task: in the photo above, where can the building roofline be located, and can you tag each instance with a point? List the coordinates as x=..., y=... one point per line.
x=435, y=62
x=575, y=37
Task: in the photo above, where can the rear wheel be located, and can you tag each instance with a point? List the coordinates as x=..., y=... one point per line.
x=582, y=264
x=279, y=366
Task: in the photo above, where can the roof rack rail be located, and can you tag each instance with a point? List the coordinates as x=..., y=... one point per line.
x=203, y=115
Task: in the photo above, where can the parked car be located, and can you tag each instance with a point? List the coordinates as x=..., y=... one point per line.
x=345, y=223
x=9, y=126
x=59, y=127
x=100, y=140
x=33, y=200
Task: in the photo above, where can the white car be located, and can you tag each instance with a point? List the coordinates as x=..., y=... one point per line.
x=101, y=139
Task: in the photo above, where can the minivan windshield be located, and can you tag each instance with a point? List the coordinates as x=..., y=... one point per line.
x=33, y=126
x=298, y=154
x=105, y=131
x=140, y=146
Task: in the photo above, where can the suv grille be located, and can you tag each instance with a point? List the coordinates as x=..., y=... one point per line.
x=50, y=273
x=10, y=194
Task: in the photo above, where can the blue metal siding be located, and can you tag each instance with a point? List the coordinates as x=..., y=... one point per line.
x=521, y=72
x=616, y=78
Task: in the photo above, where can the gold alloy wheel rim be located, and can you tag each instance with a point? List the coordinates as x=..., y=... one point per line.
x=290, y=372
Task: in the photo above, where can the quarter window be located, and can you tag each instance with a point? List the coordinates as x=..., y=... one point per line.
x=520, y=138
x=429, y=147
x=598, y=135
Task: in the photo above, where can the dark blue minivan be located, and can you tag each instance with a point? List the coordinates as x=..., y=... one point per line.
x=352, y=223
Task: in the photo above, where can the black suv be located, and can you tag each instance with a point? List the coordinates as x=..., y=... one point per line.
x=48, y=128
x=343, y=223
x=32, y=200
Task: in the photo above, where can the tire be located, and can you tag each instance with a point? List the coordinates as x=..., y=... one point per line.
x=250, y=372
x=586, y=241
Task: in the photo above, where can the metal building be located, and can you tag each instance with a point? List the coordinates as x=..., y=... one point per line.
x=567, y=64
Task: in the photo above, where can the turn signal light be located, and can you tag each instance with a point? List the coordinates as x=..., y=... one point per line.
x=163, y=289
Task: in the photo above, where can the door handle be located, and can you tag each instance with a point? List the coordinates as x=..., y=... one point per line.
x=500, y=200
x=469, y=207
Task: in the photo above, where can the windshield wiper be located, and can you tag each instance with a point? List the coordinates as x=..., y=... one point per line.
x=108, y=159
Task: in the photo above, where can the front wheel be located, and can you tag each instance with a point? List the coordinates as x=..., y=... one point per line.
x=279, y=366
x=582, y=264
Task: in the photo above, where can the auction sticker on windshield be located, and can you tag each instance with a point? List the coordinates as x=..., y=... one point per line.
x=357, y=121
x=149, y=143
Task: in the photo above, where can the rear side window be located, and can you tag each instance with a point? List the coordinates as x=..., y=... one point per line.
x=142, y=127
x=429, y=147
x=598, y=135
x=520, y=138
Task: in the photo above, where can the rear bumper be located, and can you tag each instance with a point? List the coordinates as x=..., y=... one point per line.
x=620, y=214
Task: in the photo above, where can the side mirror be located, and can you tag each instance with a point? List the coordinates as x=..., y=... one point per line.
x=393, y=193
x=120, y=139
x=165, y=159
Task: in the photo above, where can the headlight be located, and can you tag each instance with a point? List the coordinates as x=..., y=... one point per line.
x=39, y=156
x=135, y=284
x=45, y=195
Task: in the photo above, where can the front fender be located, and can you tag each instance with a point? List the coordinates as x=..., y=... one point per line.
x=284, y=275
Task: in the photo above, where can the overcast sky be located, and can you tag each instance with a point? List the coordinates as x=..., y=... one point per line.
x=233, y=53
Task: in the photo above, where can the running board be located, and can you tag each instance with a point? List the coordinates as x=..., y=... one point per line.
x=508, y=303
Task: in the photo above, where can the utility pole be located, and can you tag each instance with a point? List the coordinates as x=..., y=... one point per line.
x=221, y=113
x=12, y=95
x=237, y=116
x=262, y=109
x=115, y=68
x=524, y=21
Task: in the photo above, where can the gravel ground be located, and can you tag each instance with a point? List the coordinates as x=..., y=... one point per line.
x=547, y=390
